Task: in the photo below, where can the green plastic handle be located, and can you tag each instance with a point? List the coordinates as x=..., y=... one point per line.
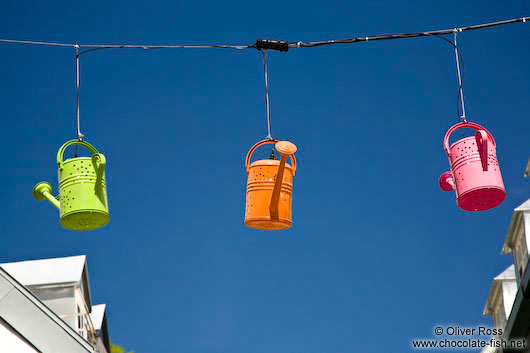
x=75, y=142
x=100, y=159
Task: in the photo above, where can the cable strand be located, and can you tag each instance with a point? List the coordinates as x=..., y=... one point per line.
x=79, y=134
x=296, y=44
x=460, y=90
x=459, y=58
x=269, y=132
x=301, y=44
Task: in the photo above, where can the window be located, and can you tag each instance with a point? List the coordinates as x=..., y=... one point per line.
x=80, y=322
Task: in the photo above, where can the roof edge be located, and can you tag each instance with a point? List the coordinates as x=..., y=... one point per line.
x=43, y=309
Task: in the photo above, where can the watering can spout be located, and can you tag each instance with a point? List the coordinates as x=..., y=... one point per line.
x=42, y=191
x=285, y=148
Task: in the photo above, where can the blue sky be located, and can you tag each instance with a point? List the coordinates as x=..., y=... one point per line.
x=378, y=254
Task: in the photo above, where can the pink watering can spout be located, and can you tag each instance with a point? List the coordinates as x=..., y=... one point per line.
x=475, y=174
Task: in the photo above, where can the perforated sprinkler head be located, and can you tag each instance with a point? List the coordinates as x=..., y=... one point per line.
x=40, y=189
x=446, y=181
x=285, y=147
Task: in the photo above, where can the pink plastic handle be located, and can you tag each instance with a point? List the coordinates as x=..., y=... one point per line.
x=461, y=126
x=264, y=142
x=482, y=144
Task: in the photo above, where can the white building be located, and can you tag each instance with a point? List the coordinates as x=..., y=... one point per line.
x=518, y=238
x=45, y=306
x=501, y=297
x=508, y=300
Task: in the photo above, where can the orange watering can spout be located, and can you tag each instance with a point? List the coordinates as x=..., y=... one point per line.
x=285, y=148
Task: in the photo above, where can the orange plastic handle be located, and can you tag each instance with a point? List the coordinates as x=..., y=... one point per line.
x=264, y=142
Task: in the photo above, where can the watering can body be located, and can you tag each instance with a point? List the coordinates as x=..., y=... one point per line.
x=82, y=199
x=269, y=201
x=475, y=173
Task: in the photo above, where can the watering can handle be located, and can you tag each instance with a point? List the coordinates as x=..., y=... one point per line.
x=264, y=142
x=74, y=142
x=461, y=126
x=99, y=161
x=482, y=144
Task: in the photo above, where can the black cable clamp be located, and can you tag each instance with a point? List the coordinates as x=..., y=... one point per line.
x=281, y=45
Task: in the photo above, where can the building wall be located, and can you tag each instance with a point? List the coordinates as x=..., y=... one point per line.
x=12, y=342
x=520, y=251
x=498, y=313
x=509, y=291
x=525, y=229
x=59, y=300
x=100, y=346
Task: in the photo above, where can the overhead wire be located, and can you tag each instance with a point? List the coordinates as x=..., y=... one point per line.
x=119, y=46
x=301, y=44
x=298, y=44
x=281, y=46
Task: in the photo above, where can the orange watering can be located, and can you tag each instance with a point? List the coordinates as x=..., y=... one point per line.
x=270, y=188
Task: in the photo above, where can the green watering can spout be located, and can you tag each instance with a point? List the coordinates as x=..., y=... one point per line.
x=43, y=191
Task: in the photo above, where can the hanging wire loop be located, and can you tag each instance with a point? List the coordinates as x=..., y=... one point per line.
x=269, y=129
x=460, y=90
x=79, y=134
x=460, y=59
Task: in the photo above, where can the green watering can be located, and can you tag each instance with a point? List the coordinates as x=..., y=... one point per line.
x=82, y=199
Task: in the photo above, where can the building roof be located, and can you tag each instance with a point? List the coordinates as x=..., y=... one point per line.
x=525, y=206
x=35, y=322
x=99, y=320
x=517, y=217
x=70, y=270
x=47, y=271
x=97, y=315
x=506, y=275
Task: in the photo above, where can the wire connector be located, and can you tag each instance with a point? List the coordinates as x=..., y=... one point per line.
x=281, y=45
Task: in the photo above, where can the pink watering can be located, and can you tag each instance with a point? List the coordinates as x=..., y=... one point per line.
x=475, y=172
